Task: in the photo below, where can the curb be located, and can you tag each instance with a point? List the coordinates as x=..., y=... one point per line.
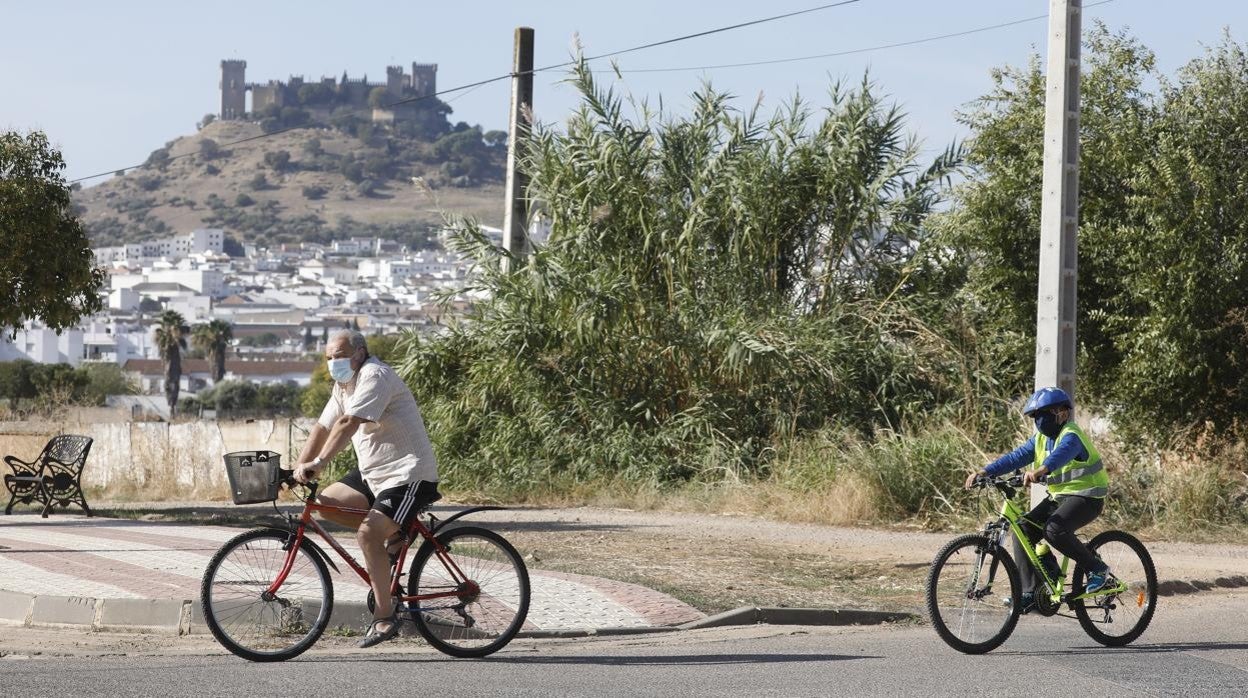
x=174, y=617
x=754, y=615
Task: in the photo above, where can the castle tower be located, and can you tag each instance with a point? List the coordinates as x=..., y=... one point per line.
x=394, y=81
x=233, y=89
x=425, y=79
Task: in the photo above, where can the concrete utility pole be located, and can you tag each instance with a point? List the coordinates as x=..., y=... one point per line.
x=515, y=219
x=1059, y=208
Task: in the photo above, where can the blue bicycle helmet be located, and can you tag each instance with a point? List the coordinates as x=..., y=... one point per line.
x=1045, y=398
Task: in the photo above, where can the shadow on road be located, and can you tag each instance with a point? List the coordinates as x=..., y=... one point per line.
x=671, y=660
x=1144, y=648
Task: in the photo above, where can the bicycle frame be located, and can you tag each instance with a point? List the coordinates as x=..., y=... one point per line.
x=463, y=585
x=1011, y=516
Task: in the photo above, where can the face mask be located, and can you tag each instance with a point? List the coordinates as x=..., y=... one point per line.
x=340, y=370
x=1047, y=424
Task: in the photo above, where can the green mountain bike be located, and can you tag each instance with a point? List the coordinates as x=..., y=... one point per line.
x=974, y=592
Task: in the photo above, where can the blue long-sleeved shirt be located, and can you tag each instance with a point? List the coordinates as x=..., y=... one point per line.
x=1068, y=449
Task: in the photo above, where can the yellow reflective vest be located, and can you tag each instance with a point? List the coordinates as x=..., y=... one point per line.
x=1081, y=477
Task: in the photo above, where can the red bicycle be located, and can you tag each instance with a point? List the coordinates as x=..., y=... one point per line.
x=267, y=594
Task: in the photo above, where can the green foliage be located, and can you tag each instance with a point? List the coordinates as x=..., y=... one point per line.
x=240, y=397
x=45, y=384
x=47, y=271
x=1163, y=237
x=213, y=338
x=243, y=200
x=278, y=160
x=710, y=285
x=158, y=159
x=210, y=150
x=171, y=334
x=264, y=339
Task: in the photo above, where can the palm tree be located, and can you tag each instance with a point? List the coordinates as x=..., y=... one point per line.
x=171, y=340
x=213, y=339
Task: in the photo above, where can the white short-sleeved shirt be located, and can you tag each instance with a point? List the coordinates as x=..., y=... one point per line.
x=392, y=445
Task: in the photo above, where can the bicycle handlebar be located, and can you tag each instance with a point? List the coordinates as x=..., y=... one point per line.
x=287, y=478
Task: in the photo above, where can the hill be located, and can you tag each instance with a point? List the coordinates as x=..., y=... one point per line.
x=316, y=183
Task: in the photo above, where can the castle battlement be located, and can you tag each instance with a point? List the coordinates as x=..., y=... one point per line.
x=344, y=91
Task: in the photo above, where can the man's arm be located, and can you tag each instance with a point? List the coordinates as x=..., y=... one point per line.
x=325, y=444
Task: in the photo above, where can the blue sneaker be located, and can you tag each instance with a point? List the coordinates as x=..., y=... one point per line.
x=1026, y=603
x=1097, y=581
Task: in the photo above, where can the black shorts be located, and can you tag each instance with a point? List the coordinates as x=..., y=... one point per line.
x=401, y=504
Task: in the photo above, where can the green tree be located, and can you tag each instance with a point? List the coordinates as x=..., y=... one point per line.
x=379, y=97
x=278, y=160
x=213, y=338
x=158, y=159
x=209, y=150
x=1163, y=237
x=711, y=285
x=104, y=379
x=47, y=271
x=171, y=334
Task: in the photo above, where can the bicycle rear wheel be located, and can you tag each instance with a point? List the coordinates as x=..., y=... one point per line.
x=244, y=618
x=487, y=610
x=973, y=594
x=1120, y=616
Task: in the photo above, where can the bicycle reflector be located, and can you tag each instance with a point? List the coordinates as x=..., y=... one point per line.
x=1139, y=599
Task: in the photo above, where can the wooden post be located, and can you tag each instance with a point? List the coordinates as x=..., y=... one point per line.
x=515, y=218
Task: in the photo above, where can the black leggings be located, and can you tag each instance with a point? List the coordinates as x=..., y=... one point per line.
x=1060, y=518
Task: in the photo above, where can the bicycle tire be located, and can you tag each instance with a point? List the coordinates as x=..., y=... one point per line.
x=969, y=617
x=472, y=624
x=248, y=625
x=1130, y=563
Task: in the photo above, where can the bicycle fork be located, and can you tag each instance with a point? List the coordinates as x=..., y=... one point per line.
x=974, y=591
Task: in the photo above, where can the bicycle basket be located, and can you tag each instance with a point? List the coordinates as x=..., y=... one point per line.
x=253, y=476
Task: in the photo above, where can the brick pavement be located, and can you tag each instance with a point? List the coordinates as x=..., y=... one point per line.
x=73, y=570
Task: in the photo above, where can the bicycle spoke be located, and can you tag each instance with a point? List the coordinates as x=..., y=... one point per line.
x=969, y=603
x=244, y=618
x=1119, y=613
x=490, y=604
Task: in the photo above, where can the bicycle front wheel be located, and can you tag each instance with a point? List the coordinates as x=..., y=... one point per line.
x=249, y=621
x=1122, y=611
x=973, y=594
x=485, y=603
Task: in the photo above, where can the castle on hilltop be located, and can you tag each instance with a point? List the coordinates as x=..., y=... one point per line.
x=328, y=93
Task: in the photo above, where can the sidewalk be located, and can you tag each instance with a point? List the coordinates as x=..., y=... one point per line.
x=119, y=574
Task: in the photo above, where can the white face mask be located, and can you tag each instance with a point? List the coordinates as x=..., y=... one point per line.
x=340, y=370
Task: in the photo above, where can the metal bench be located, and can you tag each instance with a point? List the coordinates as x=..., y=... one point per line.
x=55, y=477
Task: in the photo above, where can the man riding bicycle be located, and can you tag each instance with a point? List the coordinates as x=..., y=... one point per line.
x=372, y=408
x=1064, y=457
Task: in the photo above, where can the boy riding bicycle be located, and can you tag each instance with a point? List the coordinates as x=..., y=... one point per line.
x=1065, y=458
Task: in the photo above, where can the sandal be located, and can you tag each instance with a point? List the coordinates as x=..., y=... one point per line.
x=375, y=636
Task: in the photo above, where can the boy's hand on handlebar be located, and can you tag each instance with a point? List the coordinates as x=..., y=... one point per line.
x=970, y=479
x=1035, y=476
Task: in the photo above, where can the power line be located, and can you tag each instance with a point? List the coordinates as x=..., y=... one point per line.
x=880, y=47
x=509, y=76
x=701, y=34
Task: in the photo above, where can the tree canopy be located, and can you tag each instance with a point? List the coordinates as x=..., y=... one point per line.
x=710, y=284
x=47, y=271
x=1163, y=230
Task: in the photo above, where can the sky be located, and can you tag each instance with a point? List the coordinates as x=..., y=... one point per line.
x=111, y=81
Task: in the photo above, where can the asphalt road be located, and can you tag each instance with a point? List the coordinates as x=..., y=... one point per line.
x=1197, y=646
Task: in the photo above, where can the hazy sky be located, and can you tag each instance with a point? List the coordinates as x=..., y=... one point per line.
x=112, y=81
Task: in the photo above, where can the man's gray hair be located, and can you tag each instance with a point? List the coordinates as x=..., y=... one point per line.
x=354, y=337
